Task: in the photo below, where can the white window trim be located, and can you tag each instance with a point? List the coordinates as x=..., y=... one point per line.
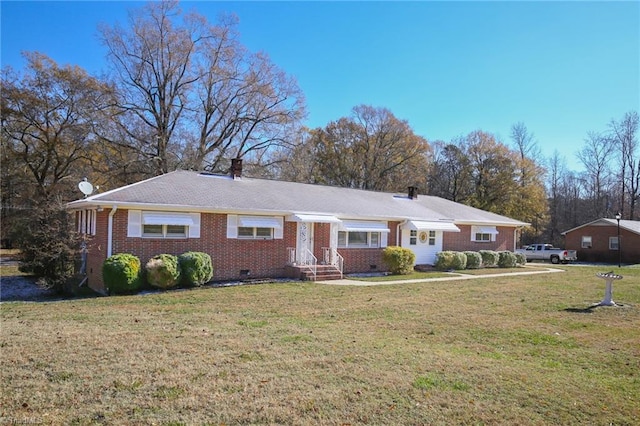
x=138, y=218
x=614, y=244
x=164, y=232
x=381, y=240
x=275, y=223
x=584, y=240
x=484, y=230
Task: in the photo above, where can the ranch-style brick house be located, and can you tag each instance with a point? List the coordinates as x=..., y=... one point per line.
x=597, y=241
x=260, y=228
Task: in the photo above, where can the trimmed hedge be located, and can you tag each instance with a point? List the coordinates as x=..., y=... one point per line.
x=490, y=258
x=163, y=271
x=474, y=259
x=400, y=261
x=121, y=273
x=447, y=260
x=507, y=259
x=196, y=268
x=521, y=259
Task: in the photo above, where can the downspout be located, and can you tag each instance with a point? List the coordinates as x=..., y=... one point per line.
x=110, y=231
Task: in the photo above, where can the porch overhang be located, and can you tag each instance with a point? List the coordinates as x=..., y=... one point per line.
x=421, y=225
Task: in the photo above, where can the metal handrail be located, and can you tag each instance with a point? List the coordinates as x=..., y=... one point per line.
x=309, y=260
x=330, y=256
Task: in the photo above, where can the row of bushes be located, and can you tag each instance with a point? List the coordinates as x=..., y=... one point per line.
x=122, y=273
x=457, y=260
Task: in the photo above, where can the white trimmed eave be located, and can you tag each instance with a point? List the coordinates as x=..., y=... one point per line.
x=492, y=223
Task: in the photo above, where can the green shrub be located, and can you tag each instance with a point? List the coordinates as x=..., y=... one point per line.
x=400, y=261
x=489, y=258
x=507, y=259
x=474, y=260
x=163, y=271
x=451, y=260
x=521, y=259
x=121, y=273
x=196, y=268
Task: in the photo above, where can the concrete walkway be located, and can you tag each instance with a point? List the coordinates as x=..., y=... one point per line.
x=454, y=276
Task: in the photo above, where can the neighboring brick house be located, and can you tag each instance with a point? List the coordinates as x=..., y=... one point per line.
x=597, y=241
x=260, y=228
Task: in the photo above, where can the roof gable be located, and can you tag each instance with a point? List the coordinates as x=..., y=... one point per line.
x=629, y=225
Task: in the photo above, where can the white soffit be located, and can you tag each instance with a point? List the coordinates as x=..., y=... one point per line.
x=153, y=218
x=259, y=222
x=317, y=218
x=420, y=225
x=353, y=226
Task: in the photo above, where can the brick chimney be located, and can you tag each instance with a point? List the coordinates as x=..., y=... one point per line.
x=236, y=168
x=413, y=192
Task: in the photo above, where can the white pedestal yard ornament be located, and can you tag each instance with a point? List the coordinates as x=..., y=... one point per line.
x=609, y=278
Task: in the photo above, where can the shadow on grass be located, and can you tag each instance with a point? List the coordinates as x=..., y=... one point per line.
x=586, y=310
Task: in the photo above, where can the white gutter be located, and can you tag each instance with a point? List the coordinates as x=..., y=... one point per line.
x=110, y=231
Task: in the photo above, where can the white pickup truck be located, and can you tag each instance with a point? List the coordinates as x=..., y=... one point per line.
x=548, y=252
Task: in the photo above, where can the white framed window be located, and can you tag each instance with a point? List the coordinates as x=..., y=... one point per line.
x=254, y=227
x=255, y=233
x=586, y=241
x=159, y=224
x=164, y=231
x=432, y=238
x=614, y=244
x=413, y=237
x=358, y=239
x=483, y=234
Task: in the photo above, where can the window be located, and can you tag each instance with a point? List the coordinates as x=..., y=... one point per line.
x=159, y=224
x=432, y=238
x=483, y=234
x=479, y=236
x=358, y=239
x=586, y=241
x=164, y=231
x=413, y=237
x=613, y=243
x=255, y=233
x=254, y=227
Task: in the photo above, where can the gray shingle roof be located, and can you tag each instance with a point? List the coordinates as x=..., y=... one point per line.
x=193, y=191
x=629, y=225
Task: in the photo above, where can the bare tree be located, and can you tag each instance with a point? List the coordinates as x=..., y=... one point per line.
x=625, y=140
x=191, y=95
x=48, y=121
x=371, y=149
x=596, y=158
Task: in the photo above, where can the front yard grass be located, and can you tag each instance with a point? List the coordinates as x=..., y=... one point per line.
x=509, y=350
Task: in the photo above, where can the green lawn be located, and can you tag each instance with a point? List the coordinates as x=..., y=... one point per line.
x=510, y=350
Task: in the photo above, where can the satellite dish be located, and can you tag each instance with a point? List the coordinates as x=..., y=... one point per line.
x=85, y=187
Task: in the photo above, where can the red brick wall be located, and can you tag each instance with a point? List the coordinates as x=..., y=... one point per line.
x=362, y=260
x=461, y=241
x=368, y=259
x=599, y=251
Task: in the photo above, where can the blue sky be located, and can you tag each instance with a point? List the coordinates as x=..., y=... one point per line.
x=448, y=68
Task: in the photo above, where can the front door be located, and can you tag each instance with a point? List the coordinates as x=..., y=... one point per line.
x=304, y=243
x=424, y=243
